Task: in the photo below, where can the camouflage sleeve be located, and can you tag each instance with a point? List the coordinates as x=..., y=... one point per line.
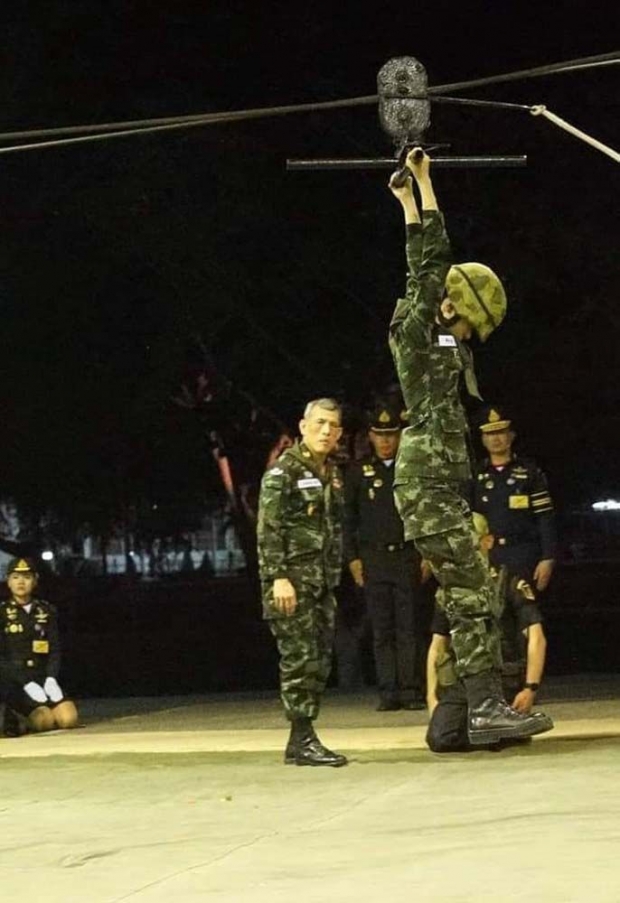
x=428, y=255
x=542, y=506
x=413, y=249
x=272, y=503
x=351, y=513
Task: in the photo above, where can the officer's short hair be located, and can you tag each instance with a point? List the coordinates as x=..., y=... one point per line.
x=328, y=404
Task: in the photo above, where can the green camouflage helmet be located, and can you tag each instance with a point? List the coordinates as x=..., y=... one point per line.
x=478, y=295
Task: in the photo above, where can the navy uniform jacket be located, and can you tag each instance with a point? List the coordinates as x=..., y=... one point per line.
x=516, y=502
x=373, y=529
x=29, y=643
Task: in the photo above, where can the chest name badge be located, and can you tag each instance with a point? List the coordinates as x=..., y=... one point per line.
x=309, y=483
x=446, y=341
x=518, y=501
x=40, y=646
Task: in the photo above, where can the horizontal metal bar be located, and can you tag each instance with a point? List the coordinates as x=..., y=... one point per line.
x=391, y=163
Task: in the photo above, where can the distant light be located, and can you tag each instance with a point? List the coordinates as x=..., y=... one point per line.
x=47, y=556
x=608, y=505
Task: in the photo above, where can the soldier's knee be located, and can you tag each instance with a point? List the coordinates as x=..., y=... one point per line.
x=41, y=719
x=65, y=715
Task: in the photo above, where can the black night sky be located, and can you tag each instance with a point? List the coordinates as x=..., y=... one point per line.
x=117, y=255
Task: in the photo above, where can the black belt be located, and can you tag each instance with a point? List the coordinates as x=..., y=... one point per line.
x=386, y=546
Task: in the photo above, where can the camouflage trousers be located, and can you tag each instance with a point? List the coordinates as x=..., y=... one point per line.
x=305, y=642
x=438, y=519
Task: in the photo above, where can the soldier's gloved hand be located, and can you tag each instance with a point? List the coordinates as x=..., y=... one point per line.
x=52, y=689
x=284, y=596
x=36, y=692
x=357, y=571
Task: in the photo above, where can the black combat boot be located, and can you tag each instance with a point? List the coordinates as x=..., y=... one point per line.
x=491, y=719
x=305, y=748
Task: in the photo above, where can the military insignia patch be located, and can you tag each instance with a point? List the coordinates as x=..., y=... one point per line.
x=518, y=501
x=41, y=647
x=526, y=590
x=309, y=483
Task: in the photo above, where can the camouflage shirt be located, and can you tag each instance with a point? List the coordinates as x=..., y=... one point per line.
x=429, y=362
x=300, y=517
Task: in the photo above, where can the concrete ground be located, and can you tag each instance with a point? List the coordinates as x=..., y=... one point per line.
x=186, y=799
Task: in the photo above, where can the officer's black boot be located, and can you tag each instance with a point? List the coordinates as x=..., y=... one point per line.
x=491, y=719
x=305, y=748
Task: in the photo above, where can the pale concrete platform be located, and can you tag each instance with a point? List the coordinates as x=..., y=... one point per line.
x=186, y=799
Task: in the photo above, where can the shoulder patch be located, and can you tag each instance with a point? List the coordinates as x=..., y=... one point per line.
x=526, y=590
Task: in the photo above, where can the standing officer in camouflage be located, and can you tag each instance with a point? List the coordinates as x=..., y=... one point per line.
x=442, y=307
x=387, y=567
x=300, y=563
x=512, y=493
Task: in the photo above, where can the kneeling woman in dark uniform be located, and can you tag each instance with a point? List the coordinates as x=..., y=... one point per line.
x=30, y=658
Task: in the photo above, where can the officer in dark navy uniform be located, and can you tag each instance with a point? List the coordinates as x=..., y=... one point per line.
x=513, y=495
x=387, y=567
x=30, y=658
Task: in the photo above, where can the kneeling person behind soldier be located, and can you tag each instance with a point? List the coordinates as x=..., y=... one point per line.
x=523, y=652
x=30, y=658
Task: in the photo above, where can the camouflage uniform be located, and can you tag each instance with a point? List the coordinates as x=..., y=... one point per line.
x=433, y=463
x=447, y=729
x=300, y=538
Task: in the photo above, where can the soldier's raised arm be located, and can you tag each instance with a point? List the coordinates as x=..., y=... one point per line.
x=428, y=248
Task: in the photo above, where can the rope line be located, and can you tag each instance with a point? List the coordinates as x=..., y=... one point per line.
x=123, y=129
x=541, y=110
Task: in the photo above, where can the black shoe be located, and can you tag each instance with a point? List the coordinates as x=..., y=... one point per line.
x=14, y=724
x=389, y=705
x=493, y=720
x=312, y=752
x=413, y=705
